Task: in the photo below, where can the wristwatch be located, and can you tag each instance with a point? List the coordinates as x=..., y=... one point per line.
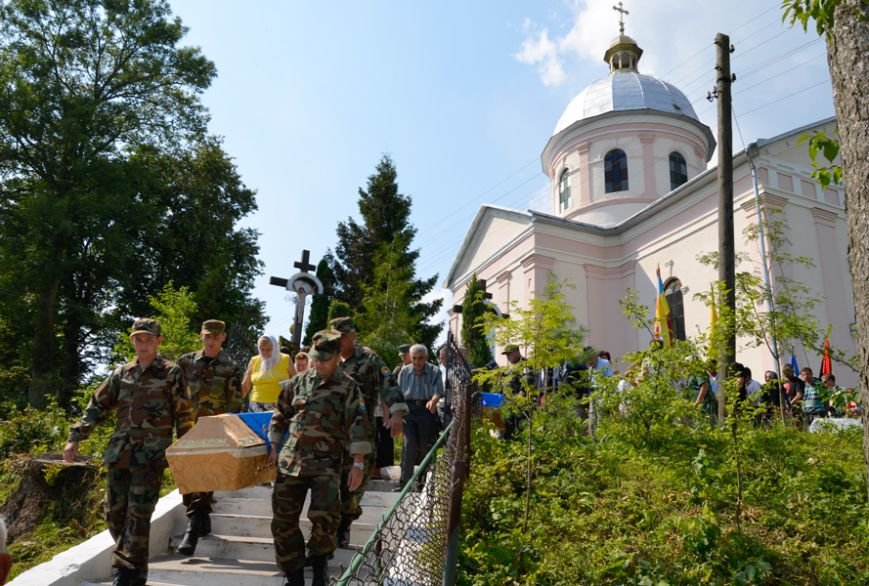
x=360, y=465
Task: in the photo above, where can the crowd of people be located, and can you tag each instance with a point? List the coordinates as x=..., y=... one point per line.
x=799, y=397
x=336, y=409
x=335, y=406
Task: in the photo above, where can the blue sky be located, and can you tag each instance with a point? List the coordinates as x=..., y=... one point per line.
x=462, y=95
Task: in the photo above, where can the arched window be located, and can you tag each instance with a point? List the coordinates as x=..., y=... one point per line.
x=564, y=190
x=615, y=170
x=678, y=170
x=673, y=292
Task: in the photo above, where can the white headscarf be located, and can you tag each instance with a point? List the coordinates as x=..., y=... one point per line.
x=267, y=364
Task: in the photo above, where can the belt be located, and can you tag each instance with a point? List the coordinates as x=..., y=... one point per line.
x=418, y=403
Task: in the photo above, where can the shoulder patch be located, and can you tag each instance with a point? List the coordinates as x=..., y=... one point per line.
x=385, y=371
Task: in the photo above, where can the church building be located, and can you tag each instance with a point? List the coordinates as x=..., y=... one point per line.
x=631, y=192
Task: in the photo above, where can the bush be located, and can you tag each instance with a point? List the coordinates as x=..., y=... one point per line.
x=653, y=498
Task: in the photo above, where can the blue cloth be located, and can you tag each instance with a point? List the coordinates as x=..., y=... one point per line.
x=259, y=424
x=793, y=363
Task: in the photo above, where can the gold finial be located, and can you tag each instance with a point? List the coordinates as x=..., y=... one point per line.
x=620, y=9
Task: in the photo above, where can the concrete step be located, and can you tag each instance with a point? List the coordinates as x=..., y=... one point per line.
x=258, y=530
x=236, y=547
x=258, y=500
x=180, y=571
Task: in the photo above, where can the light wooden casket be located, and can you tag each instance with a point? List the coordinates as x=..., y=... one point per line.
x=221, y=452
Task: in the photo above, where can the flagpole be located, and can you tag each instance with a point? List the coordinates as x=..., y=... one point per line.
x=750, y=151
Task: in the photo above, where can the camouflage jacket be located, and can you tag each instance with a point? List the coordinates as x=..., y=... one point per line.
x=149, y=404
x=375, y=380
x=326, y=418
x=214, y=383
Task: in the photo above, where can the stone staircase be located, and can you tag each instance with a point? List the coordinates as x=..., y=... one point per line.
x=240, y=550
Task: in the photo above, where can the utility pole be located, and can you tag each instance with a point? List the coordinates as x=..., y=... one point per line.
x=726, y=246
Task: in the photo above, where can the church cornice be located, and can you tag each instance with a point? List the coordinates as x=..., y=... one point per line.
x=599, y=125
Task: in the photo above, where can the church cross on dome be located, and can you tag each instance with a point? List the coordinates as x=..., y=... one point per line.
x=623, y=12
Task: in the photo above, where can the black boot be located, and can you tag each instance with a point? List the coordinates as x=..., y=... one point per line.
x=191, y=536
x=318, y=564
x=122, y=576
x=297, y=578
x=205, y=527
x=344, y=533
x=309, y=559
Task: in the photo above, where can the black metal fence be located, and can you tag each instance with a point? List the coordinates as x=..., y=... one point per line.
x=416, y=543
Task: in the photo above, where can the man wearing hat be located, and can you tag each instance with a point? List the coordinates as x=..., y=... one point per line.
x=377, y=384
x=214, y=382
x=150, y=398
x=515, y=386
x=324, y=412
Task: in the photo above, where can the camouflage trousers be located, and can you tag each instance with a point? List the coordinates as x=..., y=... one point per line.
x=198, y=502
x=288, y=499
x=130, y=500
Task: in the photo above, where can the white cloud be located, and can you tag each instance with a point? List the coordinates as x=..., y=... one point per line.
x=537, y=49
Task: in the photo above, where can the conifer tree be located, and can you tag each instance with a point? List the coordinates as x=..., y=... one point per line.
x=473, y=335
x=385, y=221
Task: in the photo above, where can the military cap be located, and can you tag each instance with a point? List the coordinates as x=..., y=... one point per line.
x=325, y=344
x=510, y=348
x=343, y=325
x=146, y=325
x=404, y=349
x=213, y=326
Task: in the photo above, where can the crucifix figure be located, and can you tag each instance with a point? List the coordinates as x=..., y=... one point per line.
x=302, y=284
x=623, y=12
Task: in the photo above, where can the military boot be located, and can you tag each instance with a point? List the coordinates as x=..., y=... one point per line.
x=129, y=577
x=318, y=564
x=309, y=559
x=296, y=578
x=191, y=536
x=344, y=533
x=122, y=576
x=205, y=528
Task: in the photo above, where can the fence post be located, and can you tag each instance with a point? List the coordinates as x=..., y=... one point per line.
x=461, y=465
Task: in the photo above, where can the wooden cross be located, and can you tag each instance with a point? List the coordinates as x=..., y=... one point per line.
x=619, y=8
x=304, y=265
x=302, y=284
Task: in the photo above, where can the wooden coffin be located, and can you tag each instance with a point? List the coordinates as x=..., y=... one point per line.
x=221, y=452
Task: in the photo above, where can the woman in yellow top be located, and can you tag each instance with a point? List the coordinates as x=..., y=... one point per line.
x=264, y=375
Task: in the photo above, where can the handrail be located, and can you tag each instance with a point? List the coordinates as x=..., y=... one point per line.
x=357, y=560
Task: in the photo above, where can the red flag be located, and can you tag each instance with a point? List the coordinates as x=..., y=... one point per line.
x=826, y=362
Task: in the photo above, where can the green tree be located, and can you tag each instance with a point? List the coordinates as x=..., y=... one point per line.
x=318, y=317
x=385, y=221
x=473, y=335
x=548, y=336
x=384, y=319
x=338, y=308
x=175, y=310
x=108, y=183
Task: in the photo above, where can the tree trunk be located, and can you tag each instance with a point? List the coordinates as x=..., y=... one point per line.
x=848, y=58
x=44, y=378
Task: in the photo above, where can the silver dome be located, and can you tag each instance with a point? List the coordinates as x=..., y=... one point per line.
x=625, y=90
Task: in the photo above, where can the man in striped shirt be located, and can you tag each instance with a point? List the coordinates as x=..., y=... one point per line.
x=423, y=388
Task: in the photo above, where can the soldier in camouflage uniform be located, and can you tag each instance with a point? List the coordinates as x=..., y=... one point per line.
x=214, y=382
x=324, y=412
x=150, y=398
x=377, y=384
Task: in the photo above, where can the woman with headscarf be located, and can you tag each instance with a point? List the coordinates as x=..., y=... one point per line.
x=264, y=374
